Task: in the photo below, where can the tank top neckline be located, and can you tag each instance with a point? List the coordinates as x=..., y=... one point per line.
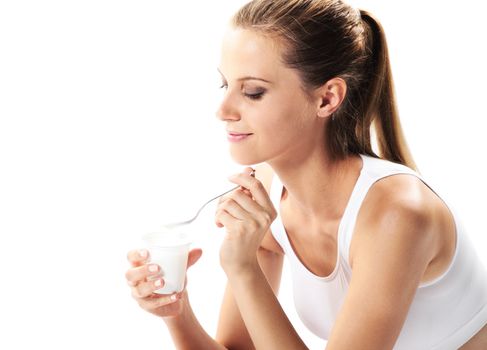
x=340, y=231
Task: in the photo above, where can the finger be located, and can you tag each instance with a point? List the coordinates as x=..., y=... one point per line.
x=246, y=202
x=156, y=302
x=248, y=170
x=145, y=289
x=228, y=195
x=222, y=199
x=138, y=274
x=234, y=209
x=193, y=256
x=217, y=221
x=255, y=187
x=246, y=192
x=138, y=257
x=225, y=218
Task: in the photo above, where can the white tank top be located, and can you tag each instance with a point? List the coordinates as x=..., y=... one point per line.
x=445, y=313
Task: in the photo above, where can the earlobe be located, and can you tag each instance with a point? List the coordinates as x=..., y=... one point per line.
x=324, y=108
x=332, y=95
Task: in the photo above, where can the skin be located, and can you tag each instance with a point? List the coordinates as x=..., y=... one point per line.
x=401, y=220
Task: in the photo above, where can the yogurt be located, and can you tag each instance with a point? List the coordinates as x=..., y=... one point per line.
x=169, y=249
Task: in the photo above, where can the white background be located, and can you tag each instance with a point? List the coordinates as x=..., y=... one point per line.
x=107, y=130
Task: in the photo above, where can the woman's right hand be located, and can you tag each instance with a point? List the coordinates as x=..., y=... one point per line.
x=144, y=278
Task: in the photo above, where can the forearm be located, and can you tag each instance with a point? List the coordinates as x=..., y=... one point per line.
x=263, y=316
x=187, y=332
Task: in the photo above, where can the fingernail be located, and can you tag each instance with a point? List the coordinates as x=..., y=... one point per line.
x=153, y=268
x=143, y=253
x=158, y=283
x=174, y=297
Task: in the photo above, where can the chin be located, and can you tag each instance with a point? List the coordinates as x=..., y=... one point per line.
x=245, y=159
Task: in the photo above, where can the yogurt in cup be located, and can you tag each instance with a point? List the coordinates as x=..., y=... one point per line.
x=169, y=249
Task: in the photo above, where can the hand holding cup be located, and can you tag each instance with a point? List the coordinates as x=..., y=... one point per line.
x=157, y=275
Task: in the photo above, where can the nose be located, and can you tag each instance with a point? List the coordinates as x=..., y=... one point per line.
x=227, y=110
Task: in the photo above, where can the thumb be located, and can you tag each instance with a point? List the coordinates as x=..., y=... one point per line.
x=194, y=255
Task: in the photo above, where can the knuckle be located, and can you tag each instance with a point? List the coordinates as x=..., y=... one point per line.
x=135, y=293
x=239, y=228
x=255, y=185
x=219, y=212
x=222, y=205
x=134, y=275
x=274, y=214
x=253, y=223
x=143, y=290
x=228, y=204
x=164, y=300
x=253, y=226
x=245, y=193
x=266, y=218
x=218, y=215
x=233, y=196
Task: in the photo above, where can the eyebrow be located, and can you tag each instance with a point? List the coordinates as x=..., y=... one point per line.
x=248, y=78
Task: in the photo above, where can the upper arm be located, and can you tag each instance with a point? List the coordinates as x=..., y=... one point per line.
x=391, y=253
x=231, y=331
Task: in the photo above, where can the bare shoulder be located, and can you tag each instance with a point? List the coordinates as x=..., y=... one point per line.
x=401, y=195
x=392, y=250
x=264, y=173
x=401, y=209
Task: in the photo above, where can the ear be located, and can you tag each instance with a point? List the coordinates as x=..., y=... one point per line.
x=330, y=96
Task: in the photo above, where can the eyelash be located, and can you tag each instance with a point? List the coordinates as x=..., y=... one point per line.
x=254, y=97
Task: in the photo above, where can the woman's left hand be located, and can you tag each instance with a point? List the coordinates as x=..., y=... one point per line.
x=246, y=214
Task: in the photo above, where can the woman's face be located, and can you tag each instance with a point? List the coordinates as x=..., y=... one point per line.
x=264, y=99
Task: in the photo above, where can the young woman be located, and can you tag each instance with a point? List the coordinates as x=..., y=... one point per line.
x=378, y=259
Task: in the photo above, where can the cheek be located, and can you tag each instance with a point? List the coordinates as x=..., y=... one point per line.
x=278, y=124
x=282, y=129
x=287, y=119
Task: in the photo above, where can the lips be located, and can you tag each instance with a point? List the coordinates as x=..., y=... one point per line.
x=237, y=136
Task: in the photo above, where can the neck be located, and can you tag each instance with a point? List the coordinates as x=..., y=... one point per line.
x=317, y=186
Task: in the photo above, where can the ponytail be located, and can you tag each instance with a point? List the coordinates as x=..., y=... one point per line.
x=379, y=98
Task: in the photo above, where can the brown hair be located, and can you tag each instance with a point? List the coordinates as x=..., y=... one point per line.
x=324, y=39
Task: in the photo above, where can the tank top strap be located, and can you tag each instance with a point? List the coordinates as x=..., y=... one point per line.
x=277, y=229
x=373, y=169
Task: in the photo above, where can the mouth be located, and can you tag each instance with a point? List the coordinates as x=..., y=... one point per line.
x=236, y=137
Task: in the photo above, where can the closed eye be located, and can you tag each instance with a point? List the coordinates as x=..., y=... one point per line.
x=256, y=96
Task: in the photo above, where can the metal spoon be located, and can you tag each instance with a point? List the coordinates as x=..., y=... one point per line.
x=175, y=224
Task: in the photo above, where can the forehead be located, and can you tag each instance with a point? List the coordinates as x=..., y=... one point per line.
x=245, y=51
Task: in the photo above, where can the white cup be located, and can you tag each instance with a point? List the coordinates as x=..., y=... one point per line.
x=169, y=249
